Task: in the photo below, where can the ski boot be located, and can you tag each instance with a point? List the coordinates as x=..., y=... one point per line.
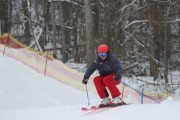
x=117, y=102
x=105, y=102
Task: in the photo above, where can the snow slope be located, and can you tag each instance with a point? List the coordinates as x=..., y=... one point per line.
x=28, y=95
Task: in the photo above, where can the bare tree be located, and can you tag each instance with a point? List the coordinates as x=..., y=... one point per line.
x=53, y=29
x=89, y=33
x=64, y=13
x=27, y=23
x=6, y=14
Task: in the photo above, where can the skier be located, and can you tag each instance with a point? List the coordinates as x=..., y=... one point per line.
x=110, y=75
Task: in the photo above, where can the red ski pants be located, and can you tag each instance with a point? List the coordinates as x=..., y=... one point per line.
x=103, y=82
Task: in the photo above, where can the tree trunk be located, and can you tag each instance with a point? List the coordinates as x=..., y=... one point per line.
x=45, y=9
x=76, y=48
x=37, y=16
x=167, y=43
x=131, y=44
x=65, y=32
x=165, y=54
x=53, y=28
x=27, y=24
x=179, y=36
x=89, y=33
x=5, y=14
x=153, y=64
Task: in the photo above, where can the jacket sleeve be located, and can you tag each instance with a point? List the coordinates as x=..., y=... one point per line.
x=118, y=68
x=91, y=69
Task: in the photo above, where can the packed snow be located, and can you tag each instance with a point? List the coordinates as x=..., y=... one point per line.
x=28, y=95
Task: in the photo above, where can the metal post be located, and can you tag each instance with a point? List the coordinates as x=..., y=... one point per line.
x=46, y=63
x=4, y=49
x=142, y=95
x=0, y=28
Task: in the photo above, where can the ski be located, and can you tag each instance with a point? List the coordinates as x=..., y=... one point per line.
x=101, y=107
x=92, y=108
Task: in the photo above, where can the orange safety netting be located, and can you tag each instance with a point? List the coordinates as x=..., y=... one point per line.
x=37, y=60
x=10, y=41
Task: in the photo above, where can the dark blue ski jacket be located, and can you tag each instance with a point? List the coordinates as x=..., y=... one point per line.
x=105, y=67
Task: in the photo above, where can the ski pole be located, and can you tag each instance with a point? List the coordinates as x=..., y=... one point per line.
x=87, y=95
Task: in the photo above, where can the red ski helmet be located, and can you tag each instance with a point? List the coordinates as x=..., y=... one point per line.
x=103, y=48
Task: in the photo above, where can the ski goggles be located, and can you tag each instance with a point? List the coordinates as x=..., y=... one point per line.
x=102, y=54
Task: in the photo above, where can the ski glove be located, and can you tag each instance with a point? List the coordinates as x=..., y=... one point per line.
x=85, y=81
x=117, y=78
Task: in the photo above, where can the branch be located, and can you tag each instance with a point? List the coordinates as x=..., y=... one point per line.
x=133, y=66
x=38, y=36
x=134, y=22
x=176, y=20
x=141, y=44
x=131, y=35
x=122, y=9
x=70, y=1
x=144, y=46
